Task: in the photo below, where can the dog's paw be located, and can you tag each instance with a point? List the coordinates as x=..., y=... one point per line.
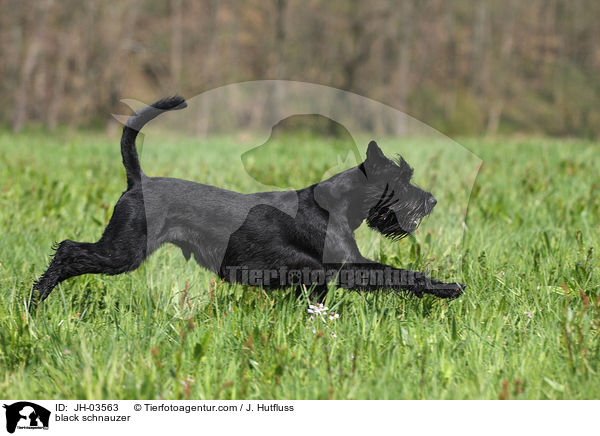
x=447, y=290
x=455, y=290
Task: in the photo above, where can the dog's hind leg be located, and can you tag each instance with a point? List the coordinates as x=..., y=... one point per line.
x=122, y=248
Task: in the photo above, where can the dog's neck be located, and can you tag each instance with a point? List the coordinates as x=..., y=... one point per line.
x=343, y=196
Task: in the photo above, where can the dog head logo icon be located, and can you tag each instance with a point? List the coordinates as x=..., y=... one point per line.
x=26, y=415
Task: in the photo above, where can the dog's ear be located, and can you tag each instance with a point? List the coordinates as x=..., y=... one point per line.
x=374, y=153
x=376, y=160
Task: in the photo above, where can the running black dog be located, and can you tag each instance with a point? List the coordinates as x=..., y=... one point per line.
x=270, y=239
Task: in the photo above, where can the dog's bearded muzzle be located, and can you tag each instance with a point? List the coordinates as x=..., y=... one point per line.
x=396, y=219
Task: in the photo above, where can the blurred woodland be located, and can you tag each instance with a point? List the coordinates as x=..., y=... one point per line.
x=463, y=67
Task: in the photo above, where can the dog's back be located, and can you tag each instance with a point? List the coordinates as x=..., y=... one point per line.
x=201, y=218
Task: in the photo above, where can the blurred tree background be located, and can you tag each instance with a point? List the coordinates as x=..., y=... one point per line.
x=463, y=67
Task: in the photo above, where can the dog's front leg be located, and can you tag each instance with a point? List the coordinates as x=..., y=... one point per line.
x=371, y=276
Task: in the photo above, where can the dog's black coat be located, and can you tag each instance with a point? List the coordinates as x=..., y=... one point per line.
x=228, y=232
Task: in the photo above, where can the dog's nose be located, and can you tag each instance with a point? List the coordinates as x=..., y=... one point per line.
x=432, y=201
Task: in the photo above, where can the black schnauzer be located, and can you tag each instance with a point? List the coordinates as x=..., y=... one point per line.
x=269, y=239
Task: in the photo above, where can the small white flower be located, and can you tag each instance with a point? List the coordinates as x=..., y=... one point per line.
x=333, y=335
x=314, y=331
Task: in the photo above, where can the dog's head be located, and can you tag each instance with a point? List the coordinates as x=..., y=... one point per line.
x=395, y=206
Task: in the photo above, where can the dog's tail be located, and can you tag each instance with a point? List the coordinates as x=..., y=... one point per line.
x=133, y=126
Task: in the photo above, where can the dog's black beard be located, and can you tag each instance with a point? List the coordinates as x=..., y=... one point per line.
x=392, y=216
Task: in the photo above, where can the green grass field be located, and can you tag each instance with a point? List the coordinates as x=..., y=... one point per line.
x=527, y=328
